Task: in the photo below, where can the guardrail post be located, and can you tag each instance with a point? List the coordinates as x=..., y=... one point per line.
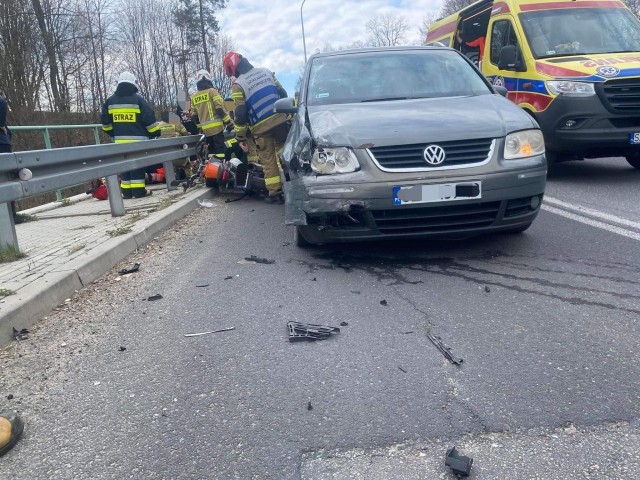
x=115, y=198
x=96, y=135
x=169, y=175
x=8, y=237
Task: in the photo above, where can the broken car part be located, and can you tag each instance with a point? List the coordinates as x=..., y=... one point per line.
x=134, y=269
x=444, y=349
x=155, y=297
x=207, y=333
x=459, y=464
x=20, y=334
x=11, y=428
x=255, y=259
x=309, y=331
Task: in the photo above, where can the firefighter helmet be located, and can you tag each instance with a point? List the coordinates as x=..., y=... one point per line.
x=231, y=61
x=203, y=74
x=128, y=77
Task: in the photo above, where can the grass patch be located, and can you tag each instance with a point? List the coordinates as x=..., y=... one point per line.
x=65, y=202
x=5, y=292
x=119, y=230
x=76, y=248
x=163, y=203
x=134, y=217
x=10, y=254
x=24, y=218
x=83, y=227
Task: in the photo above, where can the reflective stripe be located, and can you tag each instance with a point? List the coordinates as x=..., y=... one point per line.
x=123, y=110
x=272, y=180
x=132, y=138
x=137, y=184
x=218, y=155
x=216, y=122
x=154, y=127
x=129, y=106
x=125, y=186
x=237, y=95
x=269, y=109
x=227, y=118
x=107, y=128
x=231, y=142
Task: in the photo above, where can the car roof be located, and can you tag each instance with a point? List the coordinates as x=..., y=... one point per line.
x=335, y=53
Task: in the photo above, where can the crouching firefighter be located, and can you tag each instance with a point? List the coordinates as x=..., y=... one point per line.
x=254, y=93
x=127, y=117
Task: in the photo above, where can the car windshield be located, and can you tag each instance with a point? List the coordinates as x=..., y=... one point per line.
x=392, y=75
x=581, y=31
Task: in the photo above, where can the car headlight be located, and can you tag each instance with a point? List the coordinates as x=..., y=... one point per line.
x=571, y=89
x=334, y=160
x=526, y=143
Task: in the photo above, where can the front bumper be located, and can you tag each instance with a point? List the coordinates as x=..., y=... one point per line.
x=597, y=131
x=334, y=212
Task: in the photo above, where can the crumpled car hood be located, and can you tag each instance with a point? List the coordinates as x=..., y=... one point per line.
x=399, y=122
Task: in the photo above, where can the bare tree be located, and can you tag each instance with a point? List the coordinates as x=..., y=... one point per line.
x=428, y=20
x=452, y=6
x=387, y=30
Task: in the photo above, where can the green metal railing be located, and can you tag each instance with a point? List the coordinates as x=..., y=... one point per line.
x=47, y=137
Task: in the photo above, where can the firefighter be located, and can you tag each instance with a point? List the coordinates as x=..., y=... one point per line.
x=248, y=147
x=127, y=117
x=207, y=110
x=255, y=91
x=170, y=130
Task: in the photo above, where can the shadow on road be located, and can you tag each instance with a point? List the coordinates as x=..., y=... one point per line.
x=594, y=171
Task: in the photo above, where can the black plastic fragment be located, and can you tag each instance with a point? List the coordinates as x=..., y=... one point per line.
x=228, y=277
x=383, y=303
x=122, y=349
x=459, y=464
x=265, y=261
x=202, y=285
x=444, y=349
x=134, y=269
x=309, y=332
x=343, y=324
x=20, y=334
x=155, y=297
x=487, y=289
x=309, y=406
x=402, y=370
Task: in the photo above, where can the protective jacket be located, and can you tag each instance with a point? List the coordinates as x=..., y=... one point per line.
x=5, y=139
x=129, y=118
x=170, y=130
x=207, y=109
x=259, y=90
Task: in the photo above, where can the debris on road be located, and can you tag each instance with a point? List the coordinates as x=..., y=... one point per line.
x=229, y=277
x=10, y=396
x=11, y=428
x=202, y=285
x=206, y=204
x=309, y=331
x=459, y=464
x=445, y=349
x=207, y=333
x=343, y=324
x=155, y=297
x=20, y=334
x=122, y=349
x=383, y=303
x=314, y=279
x=487, y=289
x=126, y=271
x=402, y=370
x=407, y=333
x=309, y=406
x=265, y=261
x=355, y=292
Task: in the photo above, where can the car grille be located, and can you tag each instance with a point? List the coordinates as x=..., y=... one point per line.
x=623, y=95
x=436, y=219
x=459, y=153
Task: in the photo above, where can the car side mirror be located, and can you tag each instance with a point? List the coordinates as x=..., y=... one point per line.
x=500, y=90
x=285, y=105
x=509, y=61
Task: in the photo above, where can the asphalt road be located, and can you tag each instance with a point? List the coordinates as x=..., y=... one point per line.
x=546, y=323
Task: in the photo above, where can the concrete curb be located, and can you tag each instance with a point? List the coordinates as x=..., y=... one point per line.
x=53, y=205
x=29, y=305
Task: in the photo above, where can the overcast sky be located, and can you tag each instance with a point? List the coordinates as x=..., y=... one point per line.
x=269, y=34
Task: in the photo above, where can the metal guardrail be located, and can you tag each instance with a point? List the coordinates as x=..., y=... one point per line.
x=45, y=129
x=24, y=174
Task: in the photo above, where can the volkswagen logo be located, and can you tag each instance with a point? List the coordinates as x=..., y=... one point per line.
x=434, y=154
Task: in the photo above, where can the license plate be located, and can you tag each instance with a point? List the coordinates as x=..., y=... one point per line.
x=443, y=192
x=634, y=138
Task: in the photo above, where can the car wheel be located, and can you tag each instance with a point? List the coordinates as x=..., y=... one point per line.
x=298, y=238
x=519, y=229
x=633, y=160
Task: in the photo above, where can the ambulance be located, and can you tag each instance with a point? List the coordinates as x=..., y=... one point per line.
x=572, y=65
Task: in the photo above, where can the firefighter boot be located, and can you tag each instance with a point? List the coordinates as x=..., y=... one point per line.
x=11, y=427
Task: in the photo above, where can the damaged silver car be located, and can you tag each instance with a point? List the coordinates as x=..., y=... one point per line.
x=407, y=142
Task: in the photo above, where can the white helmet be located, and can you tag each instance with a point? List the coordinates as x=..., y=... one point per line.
x=128, y=77
x=202, y=73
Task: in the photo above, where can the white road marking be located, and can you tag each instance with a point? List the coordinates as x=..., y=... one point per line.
x=594, y=223
x=580, y=210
